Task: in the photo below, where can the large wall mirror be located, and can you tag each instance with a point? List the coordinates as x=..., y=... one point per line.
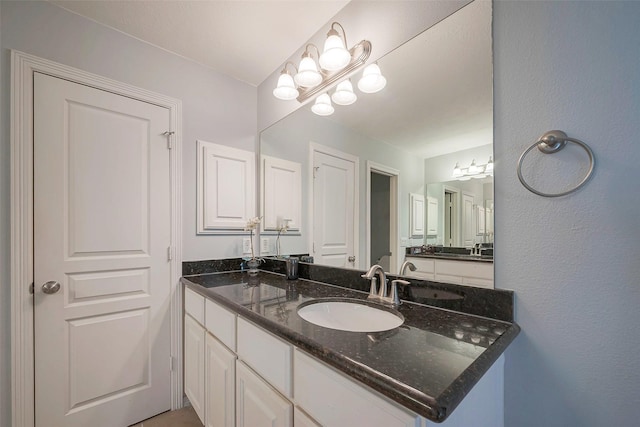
x=361, y=185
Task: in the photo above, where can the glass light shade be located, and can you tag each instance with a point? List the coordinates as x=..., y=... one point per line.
x=286, y=89
x=344, y=94
x=457, y=171
x=322, y=106
x=479, y=176
x=473, y=169
x=308, y=75
x=335, y=56
x=372, y=80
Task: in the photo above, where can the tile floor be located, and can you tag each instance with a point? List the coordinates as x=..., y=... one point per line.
x=185, y=417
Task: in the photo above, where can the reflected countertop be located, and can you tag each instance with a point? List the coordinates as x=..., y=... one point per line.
x=427, y=365
x=454, y=257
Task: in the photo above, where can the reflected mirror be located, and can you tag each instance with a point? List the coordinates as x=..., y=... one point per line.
x=362, y=185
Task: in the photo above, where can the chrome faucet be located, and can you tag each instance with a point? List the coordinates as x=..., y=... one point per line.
x=406, y=264
x=377, y=272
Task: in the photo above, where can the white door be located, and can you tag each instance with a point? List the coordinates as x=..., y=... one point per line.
x=334, y=210
x=102, y=232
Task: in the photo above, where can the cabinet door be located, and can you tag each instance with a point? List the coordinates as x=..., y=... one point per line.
x=301, y=419
x=432, y=216
x=322, y=392
x=257, y=404
x=220, y=384
x=194, y=364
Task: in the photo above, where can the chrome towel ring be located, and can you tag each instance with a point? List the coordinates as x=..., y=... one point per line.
x=549, y=143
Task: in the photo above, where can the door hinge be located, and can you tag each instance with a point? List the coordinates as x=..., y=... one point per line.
x=172, y=364
x=314, y=247
x=169, y=134
x=169, y=253
x=315, y=170
x=31, y=288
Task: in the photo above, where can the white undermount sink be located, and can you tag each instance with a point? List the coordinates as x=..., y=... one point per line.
x=349, y=315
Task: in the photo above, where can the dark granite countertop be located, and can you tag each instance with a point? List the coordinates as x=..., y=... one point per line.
x=454, y=257
x=427, y=365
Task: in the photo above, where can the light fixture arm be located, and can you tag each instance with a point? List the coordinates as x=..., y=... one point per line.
x=284, y=68
x=332, y=31
x=307, y=53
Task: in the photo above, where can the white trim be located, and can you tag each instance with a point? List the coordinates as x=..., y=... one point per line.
x=394, y=212
x=314, y=147
x=22, y=352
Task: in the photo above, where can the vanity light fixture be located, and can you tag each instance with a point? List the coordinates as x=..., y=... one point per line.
x=322, y=106
x=337, y=64
x=335, y=55
x=372, y=80
x=473, y=171
x=286, y=89
x=308, y=74
x=344, y=94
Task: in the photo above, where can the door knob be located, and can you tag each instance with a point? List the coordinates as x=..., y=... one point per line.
x=351, y=259
x=51, y=287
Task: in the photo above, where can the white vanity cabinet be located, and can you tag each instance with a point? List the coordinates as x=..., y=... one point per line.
x=194, y=351
x=260, y=380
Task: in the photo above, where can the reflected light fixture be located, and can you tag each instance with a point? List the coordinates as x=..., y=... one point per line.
x=473, y=171
x=322, y=106
x=344, y=94
x=372, y=80
x=336, y=65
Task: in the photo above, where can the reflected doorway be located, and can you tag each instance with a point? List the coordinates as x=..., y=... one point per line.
x=451, y=217
x=382, y=216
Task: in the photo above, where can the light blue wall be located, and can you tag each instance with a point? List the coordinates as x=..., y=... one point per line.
x=572, y=261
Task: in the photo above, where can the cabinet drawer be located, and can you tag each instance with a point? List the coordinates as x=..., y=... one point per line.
x=267, y=355
x=221, y=323
x=194, y=305
x=482, y=270
x=322, y=392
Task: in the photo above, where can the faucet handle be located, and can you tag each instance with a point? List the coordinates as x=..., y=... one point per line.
x=394, y=290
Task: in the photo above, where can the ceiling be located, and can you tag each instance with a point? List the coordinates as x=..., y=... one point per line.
x=247, y=40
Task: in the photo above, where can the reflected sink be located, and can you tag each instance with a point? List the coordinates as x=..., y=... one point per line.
x=351, y=315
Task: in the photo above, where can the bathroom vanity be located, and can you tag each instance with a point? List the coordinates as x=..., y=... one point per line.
x=468, y=270
x=249, y=356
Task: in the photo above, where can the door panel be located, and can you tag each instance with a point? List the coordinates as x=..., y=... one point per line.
x=101, y=230
x=334, y=202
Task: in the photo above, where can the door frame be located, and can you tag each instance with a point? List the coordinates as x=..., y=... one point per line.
x=23, y=67
x=394, y=212
x=314, y=147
